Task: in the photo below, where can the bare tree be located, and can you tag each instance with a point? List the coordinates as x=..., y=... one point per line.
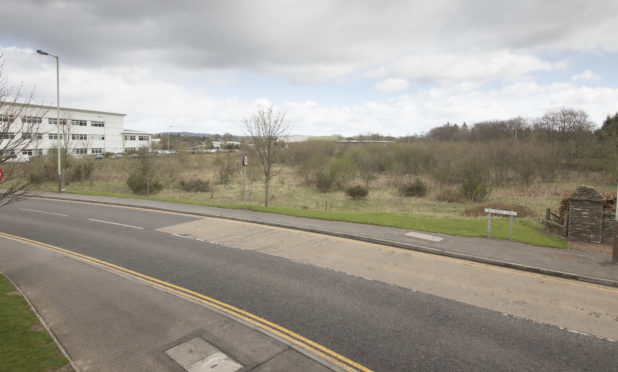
x=265, y=128
x=20, y=125
x=226, y=167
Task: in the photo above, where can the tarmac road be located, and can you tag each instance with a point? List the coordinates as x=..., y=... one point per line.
x=383, y=324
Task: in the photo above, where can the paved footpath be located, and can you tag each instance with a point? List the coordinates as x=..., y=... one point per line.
x=109, y=320
x=589, y=267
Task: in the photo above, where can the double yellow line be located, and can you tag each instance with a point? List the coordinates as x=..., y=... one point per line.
x=286, y=334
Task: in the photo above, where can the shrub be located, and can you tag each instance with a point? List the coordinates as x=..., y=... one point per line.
x=450, y=195
x=37, y=178
x=143, y=178
x=474, y=189
x=83, y=170
x=357, y=192
x=324, y=181
x=195, y=185
x=341, y=170
x=417, y=188
x=140, y=184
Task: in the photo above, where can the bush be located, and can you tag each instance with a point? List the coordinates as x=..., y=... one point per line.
x=357, y=192
x=37, y=178
x=418, y=188
x=140, y=184
x=143, y=178
x=474, y=189
x=324, y=181
x=195, y=185
x=83, y=170
x=450, y=195
x=341, y=170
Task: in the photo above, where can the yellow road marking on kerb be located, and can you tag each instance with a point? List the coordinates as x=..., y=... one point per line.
x=296, y=339
x=397, y=249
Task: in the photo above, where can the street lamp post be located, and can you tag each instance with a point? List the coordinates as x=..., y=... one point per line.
x=168, y=136
x=57, y=113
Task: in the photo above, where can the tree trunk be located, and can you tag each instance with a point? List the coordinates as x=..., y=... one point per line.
x=266, y=185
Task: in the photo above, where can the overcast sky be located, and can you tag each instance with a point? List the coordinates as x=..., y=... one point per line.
x=335, y=67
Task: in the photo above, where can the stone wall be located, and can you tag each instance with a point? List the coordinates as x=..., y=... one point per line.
x=609, y=224
x=586, y=215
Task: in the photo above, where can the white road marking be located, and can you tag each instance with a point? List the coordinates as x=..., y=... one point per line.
x=418, y=235
x=52, y=213
x=116, y=223
x=182, y=236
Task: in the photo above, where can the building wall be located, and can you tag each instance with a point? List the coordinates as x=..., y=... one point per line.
x=113, y=131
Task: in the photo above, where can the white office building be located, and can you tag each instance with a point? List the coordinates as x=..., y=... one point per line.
x=82, y=131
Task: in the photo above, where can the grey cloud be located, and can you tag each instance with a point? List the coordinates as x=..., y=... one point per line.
x=296, y=38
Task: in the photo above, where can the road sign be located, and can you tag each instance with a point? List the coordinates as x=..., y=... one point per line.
x=1, y=175
x=245, y=160
x=499, y=211
x=491, y=211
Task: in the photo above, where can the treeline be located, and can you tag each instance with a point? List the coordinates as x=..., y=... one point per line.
x=489, y=153
x=571, y=129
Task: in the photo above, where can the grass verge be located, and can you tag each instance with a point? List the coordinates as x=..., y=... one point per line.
x=524, y=230
x=24, y=344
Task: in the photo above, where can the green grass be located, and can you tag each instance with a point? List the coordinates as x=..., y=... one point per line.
x=524, y=230
x=24, y=344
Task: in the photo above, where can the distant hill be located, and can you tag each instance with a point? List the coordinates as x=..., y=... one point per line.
x=185, y=134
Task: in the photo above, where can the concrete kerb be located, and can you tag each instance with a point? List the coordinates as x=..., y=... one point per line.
x=411, y=247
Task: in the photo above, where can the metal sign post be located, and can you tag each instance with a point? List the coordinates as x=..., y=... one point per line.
x=491, y=211
x=245, y=162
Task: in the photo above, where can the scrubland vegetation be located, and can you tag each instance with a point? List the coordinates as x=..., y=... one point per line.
x=450, y=173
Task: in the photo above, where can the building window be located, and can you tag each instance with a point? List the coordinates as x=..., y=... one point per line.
x=31, y=120
x=79, y=137
x=32, y=152
x=7, y=118
x=97, y=137
x=129, y=138
x=31, y=136
x=96, y=151
x=54, y=136
x=38, y=136
x=80, y=151
x=97, y=123
x=55, y=121
x=7, y=153
x=143, y=138
x=81, y=123
x=130, y=149
x=8, y=135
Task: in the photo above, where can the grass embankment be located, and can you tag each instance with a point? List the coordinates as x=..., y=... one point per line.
x=524, y=230
x=24, y=344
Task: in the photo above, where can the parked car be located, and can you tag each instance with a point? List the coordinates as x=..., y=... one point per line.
x=116, y=156
x=99, y=157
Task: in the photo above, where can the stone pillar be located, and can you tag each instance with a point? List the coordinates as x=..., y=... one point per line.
x=586, y=215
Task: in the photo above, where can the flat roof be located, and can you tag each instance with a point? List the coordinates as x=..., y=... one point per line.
x=129, y=131
x=64, y=108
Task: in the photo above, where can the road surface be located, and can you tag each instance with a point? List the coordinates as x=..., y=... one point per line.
x=385, y=308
